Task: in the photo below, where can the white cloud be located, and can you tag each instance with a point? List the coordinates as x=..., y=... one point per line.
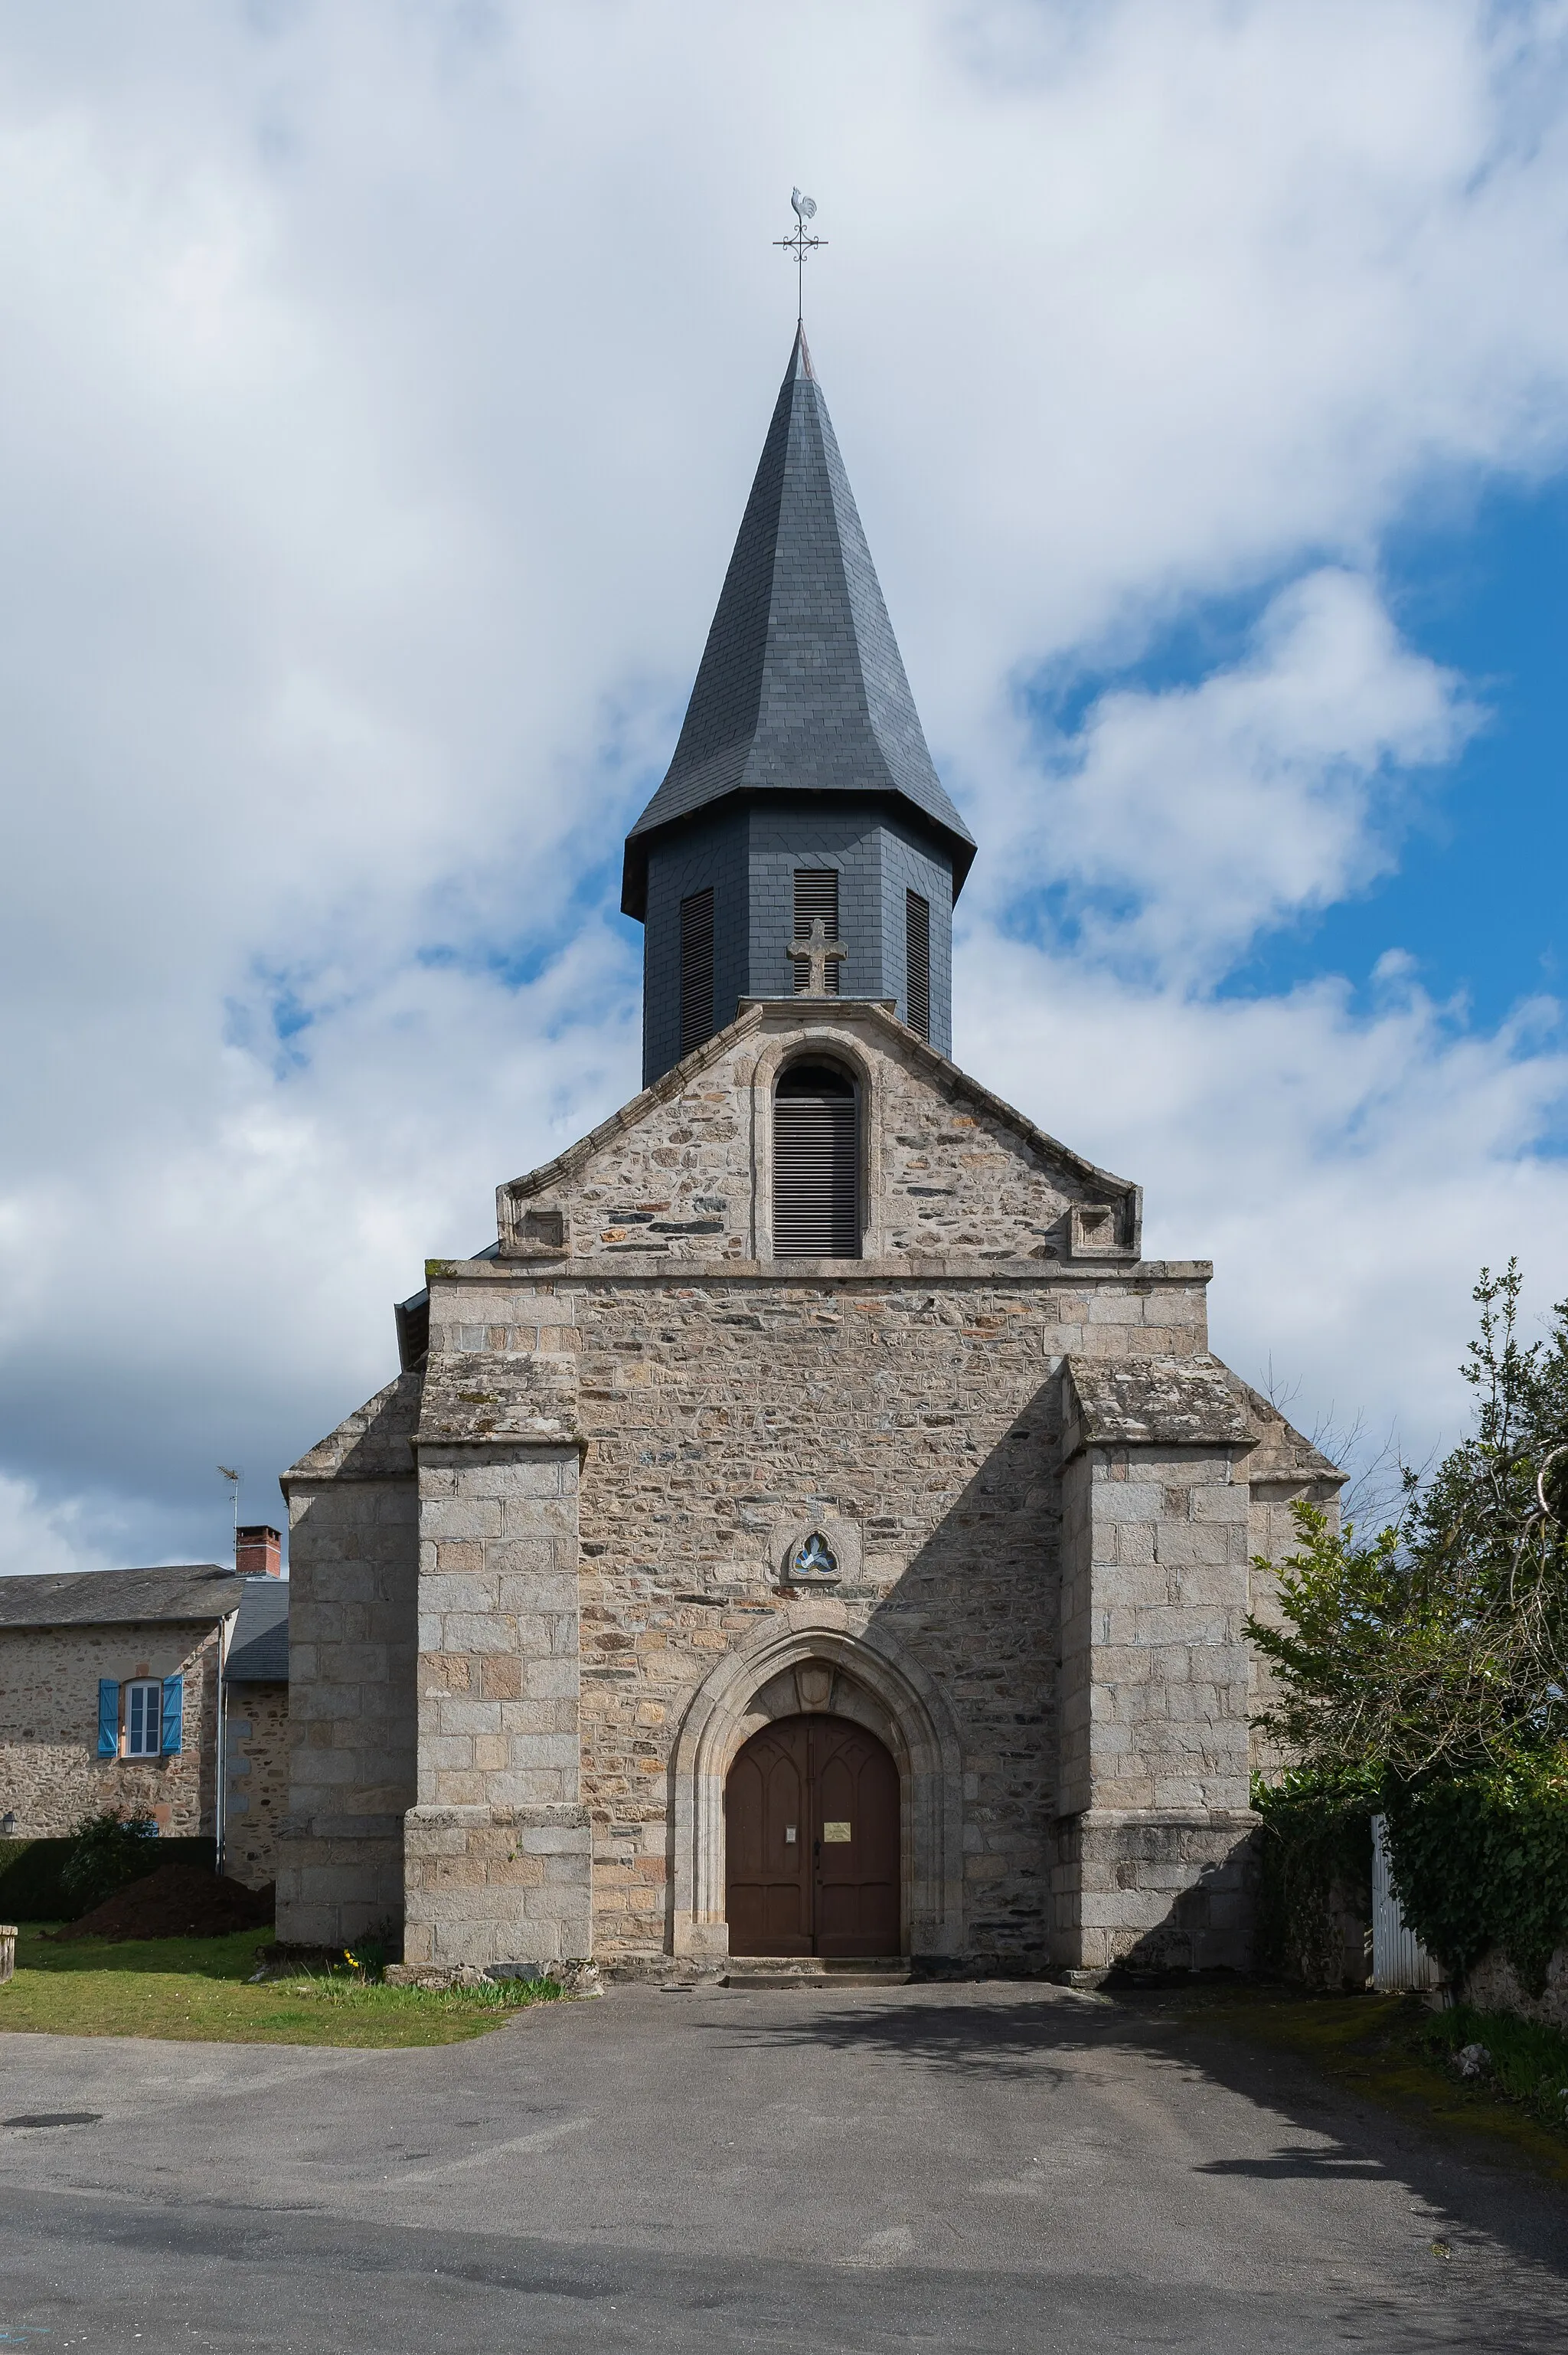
x=382, y=392
x=38, y=1537
x=1205, y=815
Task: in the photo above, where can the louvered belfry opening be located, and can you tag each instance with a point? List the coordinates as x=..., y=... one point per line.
x=816, y=1165
x=918, y=963
x=696, y=969
x=816, y=894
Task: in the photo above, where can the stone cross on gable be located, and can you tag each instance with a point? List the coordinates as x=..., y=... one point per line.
x=814, y=953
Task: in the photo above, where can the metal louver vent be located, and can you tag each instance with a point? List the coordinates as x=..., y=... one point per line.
x=816, y=1187
x=918, y=963
x=816, y=894
x=696, y=969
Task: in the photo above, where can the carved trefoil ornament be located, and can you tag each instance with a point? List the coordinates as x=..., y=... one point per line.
x=822, y=1552
x=814, y=1562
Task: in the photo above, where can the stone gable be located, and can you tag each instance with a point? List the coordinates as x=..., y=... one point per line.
x=544, y=1580
x=953, y=1174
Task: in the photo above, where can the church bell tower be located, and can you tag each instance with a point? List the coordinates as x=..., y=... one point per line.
x=801, y=839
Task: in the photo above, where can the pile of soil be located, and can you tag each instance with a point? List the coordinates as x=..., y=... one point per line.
x=178, y=1901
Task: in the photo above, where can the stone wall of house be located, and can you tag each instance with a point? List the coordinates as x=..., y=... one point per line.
x=255, y=1780
x=50, y=1772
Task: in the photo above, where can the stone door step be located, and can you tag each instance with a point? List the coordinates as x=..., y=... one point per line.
x=787, y=1971
x=815, y=1979
x=814, y=1970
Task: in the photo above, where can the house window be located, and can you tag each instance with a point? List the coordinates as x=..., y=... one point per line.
x=816, y=894
x=918, y=963
x=816, y=1165
x=143, y=1720
x=696, y=969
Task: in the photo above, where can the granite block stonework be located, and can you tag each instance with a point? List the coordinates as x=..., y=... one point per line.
x=971, y=1499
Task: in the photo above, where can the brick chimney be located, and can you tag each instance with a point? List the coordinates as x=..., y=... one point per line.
x=258, y=1552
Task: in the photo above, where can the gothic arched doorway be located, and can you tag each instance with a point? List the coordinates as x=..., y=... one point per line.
x=811, y=1819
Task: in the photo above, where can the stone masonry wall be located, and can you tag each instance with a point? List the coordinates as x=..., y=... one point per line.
x=1154, y=1652
x=682, y=1172
x=718, y=1410
x=255, y=1781
x=498, y=1851
x=353, y=1577
x=50, y=1772
x=353, y=1569
x=1154, y=1836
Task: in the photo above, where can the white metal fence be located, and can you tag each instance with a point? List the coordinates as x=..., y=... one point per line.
x=1399, y=1959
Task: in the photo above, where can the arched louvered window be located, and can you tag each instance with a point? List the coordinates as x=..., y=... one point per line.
x=816, y=1165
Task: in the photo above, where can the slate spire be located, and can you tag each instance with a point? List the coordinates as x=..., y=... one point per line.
x=801, y=687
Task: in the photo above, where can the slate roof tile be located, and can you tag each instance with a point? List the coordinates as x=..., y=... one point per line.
x=801, y=686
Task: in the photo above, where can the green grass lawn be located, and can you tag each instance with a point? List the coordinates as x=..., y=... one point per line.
x=1394, y=2051
x=199, y=1988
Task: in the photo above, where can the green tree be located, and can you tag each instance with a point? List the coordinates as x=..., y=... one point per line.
x=1442, y=1645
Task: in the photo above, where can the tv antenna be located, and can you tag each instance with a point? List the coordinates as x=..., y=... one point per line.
x=228, y=1473
x=800, y=244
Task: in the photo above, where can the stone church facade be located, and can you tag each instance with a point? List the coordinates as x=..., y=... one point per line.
x=812, y=1527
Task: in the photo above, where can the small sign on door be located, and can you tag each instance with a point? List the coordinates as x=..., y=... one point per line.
x=835, y=1831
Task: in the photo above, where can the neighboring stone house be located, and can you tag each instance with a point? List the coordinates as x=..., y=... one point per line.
x=256, y=1732
x=110, y=1695
x=812, y=1527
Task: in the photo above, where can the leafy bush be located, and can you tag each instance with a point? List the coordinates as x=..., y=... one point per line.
x=30, y=1889
x=1429, y=1668
x=103, y=1853
x=1315, y=1874
x=1442, y=1646
x=1482, y=1860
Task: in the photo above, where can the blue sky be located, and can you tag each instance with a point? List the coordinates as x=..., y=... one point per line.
x=383, y=390
x=1477, y=895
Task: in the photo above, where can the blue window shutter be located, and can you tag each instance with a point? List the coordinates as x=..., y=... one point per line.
x=108, y=1719
x=173, y=1712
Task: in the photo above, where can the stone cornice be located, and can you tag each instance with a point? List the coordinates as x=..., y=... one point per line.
x=561, y=1273
x=1152, y=1402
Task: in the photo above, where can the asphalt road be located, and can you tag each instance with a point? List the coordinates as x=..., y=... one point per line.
x=985, y=2167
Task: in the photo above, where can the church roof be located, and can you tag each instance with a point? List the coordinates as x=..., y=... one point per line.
x=801, y=686
x=259, y=1648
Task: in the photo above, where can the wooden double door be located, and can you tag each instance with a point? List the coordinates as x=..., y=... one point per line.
x=811, y=1829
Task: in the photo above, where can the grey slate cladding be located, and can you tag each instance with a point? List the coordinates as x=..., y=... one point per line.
x=259, y=1648
x=748, y=852
x=801, y=686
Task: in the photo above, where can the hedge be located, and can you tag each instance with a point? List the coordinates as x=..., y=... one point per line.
x=30, y=1873
x=1483, y=1861
x=1314, y=1854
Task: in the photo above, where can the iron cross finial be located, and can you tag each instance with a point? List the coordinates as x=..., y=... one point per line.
x=814, y=953
x=801, y=245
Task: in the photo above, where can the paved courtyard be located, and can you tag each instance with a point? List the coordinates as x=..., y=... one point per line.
x=987, y=2167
